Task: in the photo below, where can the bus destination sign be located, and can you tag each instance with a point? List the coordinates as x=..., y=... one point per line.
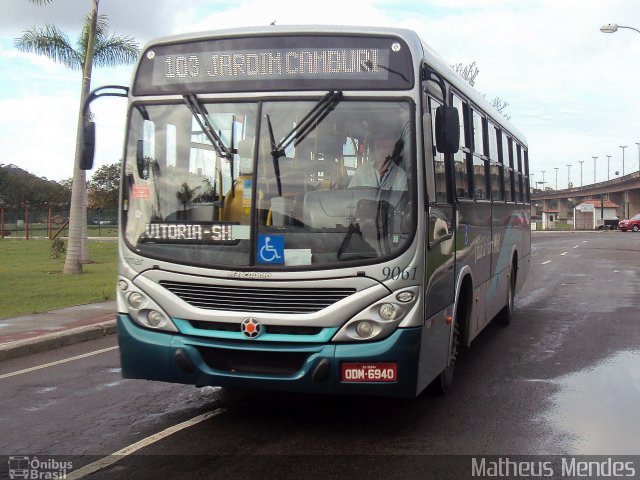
x=247, y=64
x=272, y=64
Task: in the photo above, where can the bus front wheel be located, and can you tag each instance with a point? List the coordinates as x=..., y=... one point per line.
x=443, y=382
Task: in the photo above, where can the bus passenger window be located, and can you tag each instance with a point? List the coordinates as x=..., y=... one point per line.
x=461, y=172
x=479, y=165
x=496, y=175
x=480, y=178
x=439, y=169
x=507, y=161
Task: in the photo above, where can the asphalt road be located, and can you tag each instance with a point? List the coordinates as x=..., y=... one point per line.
x=562, y=379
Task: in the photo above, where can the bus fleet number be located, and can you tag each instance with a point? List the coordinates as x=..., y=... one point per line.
x=396, y=273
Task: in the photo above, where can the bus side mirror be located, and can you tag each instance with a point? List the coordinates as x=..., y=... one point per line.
x=88, y=146
x=447, y=129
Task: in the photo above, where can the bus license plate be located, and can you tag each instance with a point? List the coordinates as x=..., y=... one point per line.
x=369, y=372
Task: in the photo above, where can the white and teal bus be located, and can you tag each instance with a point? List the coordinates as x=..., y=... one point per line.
x=315, y=209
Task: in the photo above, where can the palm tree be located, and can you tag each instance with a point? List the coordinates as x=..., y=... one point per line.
x=95, y=46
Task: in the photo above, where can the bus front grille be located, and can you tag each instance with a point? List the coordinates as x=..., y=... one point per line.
x=274, y=329
x=253, y=361
x=252, y=299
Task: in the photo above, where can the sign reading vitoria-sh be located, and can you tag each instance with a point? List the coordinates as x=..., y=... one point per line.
x=270, y=63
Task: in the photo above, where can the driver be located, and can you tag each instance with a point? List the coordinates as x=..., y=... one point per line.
x=383, y=173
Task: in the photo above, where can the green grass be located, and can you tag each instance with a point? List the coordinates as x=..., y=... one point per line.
x=31, y=281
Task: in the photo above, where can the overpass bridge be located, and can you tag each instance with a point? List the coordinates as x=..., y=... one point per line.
x=624, y=191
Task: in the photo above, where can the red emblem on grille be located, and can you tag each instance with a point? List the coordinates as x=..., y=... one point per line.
x=251, y=327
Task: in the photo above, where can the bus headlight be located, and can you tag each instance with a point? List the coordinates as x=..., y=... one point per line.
x=137, y=300
x=388, y=311
x=143, y=310
x=364, y=328
x=123, y=285
x=380, y=319
x=156, y=319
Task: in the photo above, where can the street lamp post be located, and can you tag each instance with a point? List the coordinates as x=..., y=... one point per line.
x=608, y=164
x=594, y=169
x=556, y=169
x=568, y=175
x=612, y=28
x=580, y=162
x=623, y=147
x=638, y=144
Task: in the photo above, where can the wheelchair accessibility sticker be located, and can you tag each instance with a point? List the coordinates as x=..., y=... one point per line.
x=271, y=248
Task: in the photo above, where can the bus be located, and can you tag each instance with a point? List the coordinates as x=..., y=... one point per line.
x=312, y=209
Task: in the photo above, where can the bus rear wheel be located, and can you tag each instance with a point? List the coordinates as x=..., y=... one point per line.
x=506, y=315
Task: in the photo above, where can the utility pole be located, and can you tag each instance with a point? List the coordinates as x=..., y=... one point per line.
x=568, y=175
x=580, y=162
x=594, y=169
x=623, y=147
x=608, y=164
x=556, y=169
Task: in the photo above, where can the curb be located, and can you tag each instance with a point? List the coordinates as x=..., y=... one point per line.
x=50, y=341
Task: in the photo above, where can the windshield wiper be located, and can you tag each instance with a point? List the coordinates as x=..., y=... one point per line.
x=310, y=121
x=200, y=113
x=369, y=64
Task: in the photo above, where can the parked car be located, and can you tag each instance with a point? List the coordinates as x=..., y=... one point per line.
x=632, y=224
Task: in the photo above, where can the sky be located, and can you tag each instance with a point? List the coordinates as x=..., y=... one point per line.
x=572, y=90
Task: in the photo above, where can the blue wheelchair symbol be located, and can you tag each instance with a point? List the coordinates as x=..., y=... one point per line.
x=271, y=248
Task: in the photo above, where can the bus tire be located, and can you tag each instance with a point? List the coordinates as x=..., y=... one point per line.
x=506, y=314
x=443, y=382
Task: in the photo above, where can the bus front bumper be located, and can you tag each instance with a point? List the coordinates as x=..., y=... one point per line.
x=255, y=365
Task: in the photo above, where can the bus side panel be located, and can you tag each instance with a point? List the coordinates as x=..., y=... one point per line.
x=474, y=250
x=500, y=259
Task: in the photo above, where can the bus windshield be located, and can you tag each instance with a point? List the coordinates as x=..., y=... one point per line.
x=273, y=184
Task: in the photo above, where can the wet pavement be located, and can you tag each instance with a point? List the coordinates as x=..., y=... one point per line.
x=562, y=379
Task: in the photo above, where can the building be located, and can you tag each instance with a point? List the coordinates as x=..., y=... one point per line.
x=592, y=214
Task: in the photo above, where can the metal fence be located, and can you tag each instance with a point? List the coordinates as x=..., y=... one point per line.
x=48, y=223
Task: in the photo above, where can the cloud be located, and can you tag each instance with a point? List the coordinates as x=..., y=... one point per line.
x=571, y=89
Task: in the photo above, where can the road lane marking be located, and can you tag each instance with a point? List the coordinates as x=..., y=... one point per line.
x=563, y=254
x=544, y=263
x=576, y=246
x=134, y=447
x=58, y=362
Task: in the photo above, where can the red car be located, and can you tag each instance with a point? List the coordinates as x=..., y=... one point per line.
x=632, y=224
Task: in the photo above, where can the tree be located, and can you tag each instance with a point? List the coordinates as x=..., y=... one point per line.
x=95, y=46
x=469, y=73
x=19, y=187
x=104, y=186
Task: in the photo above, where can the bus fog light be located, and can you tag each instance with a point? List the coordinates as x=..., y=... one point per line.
x=137, y=300
x=123, y=285
x=405, y=297
x=364, y=329
x=156, y=319
x=388, y=311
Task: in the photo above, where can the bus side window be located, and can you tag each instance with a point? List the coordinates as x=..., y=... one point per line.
x=439, y=169
x=496, y=166
x=527, y=186
x=519, y=177
x=507, y=162
x=461, y=170
x=479, y=163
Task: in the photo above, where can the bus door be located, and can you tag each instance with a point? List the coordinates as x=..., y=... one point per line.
x=440, y=254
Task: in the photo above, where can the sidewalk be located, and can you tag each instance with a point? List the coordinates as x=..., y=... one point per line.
x=39, y=332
